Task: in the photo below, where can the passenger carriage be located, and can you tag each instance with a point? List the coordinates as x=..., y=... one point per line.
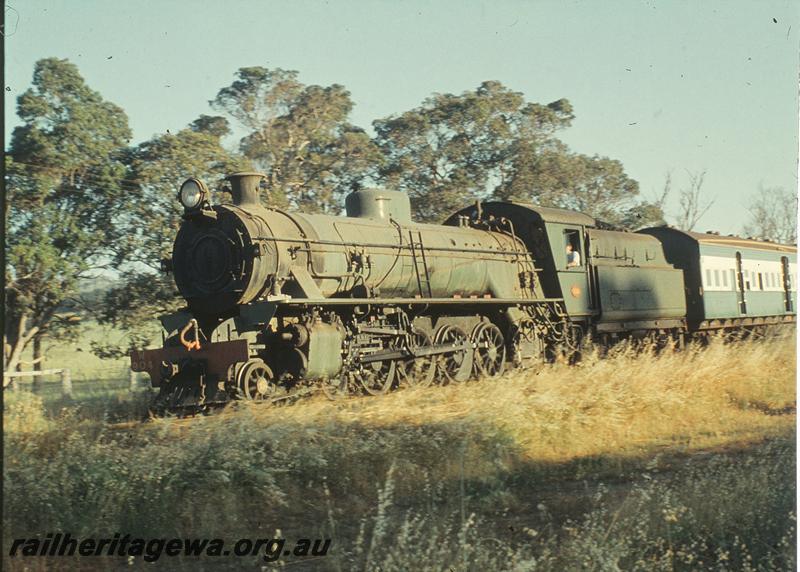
x=730, y=281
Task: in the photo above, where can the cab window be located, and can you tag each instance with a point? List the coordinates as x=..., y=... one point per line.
x=573, y=257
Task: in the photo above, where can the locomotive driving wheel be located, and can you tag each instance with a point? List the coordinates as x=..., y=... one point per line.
x=455, y=365
x=490, y=350
x=418, y=371
x=337, y=387
x=256, y=382
x=376, y=377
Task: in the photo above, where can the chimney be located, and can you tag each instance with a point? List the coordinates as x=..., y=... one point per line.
x=244, y=187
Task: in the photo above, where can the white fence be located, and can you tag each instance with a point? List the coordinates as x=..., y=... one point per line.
x=10, y=378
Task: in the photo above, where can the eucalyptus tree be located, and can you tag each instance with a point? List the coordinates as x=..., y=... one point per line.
x=64, y=168
x=300, y=136
x=145, y=229
x=491, y=143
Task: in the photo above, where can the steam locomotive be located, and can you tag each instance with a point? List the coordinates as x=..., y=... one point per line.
x=282, y=304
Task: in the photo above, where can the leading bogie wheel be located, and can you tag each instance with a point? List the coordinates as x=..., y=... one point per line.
x=255, y=381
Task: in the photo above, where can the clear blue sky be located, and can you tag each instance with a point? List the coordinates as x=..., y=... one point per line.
x=658, y=85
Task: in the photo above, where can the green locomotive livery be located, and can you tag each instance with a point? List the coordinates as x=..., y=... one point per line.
x=622, y=284
x=283, y=304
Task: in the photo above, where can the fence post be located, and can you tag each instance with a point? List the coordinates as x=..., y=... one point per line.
x=134, y=381
x=66, y=383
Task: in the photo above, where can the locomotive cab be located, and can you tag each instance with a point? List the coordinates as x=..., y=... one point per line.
x=546, y=232
x=611, y=281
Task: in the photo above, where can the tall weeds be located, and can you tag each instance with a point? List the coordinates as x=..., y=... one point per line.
x=641, y=460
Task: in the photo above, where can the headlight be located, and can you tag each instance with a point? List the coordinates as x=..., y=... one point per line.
x=192, y=193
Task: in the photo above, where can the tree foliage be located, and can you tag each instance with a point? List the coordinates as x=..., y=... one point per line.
x=457, y=148
x=63, y=167
x=595, y=185
x=79, y=198
x=490, y=143
x=146, y=227
x=300, y=136
x=773, y=215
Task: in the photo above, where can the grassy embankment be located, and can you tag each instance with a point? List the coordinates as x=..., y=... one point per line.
x=651, y=462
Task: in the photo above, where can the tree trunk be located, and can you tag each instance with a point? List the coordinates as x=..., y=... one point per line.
x=37, y=353
x=12, y=360
x=37, y=361
x=17, y=342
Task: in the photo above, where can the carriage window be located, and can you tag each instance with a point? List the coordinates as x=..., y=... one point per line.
x=760, y=282
x=708, y=277
x=716, y=278
x=724, y=279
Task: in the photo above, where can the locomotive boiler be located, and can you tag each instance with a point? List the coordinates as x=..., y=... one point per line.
x=229, y=255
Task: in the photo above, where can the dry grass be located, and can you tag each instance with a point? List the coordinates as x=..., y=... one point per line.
x=593, y=466
x=623, y=404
